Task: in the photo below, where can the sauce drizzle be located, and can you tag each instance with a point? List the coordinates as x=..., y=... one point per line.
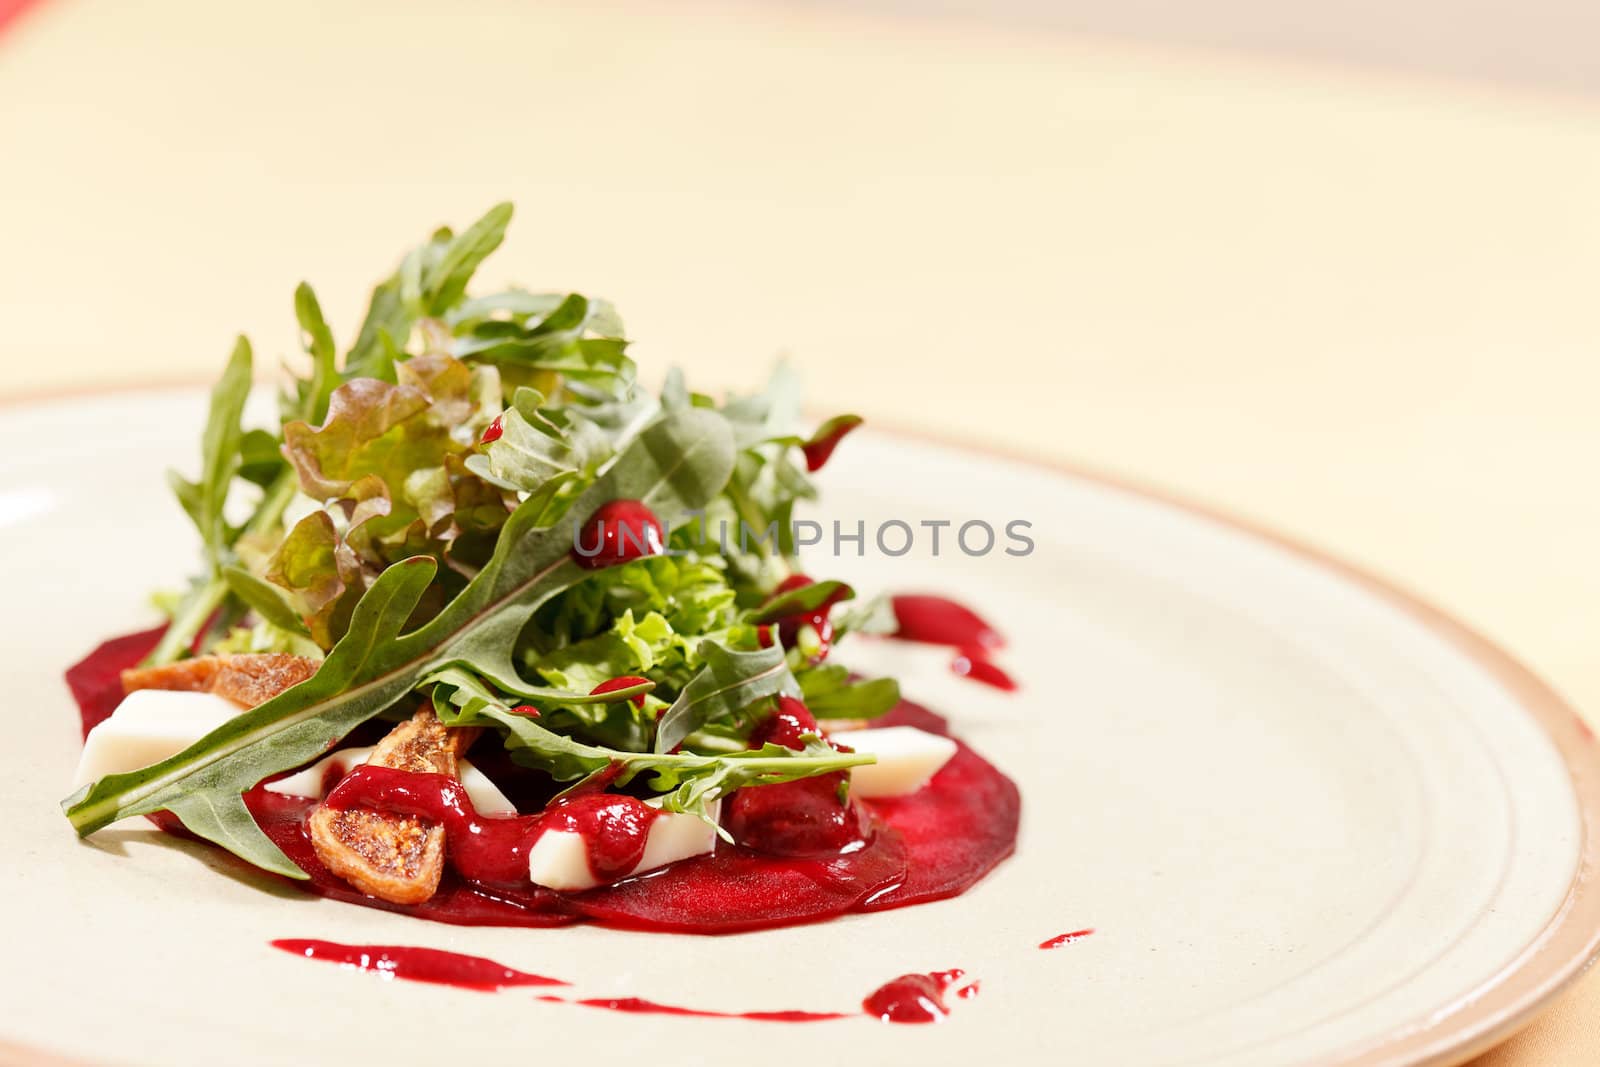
x=1066, y=939
x=640, y=1006
x=975, y=664
x=911, y=998
x=937, y=620
x=416, y=964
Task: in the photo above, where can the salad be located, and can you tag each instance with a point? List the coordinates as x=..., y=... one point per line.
x=485, y=631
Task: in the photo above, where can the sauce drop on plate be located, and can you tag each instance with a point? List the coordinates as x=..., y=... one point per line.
x=1065, y=939
x=913, y=998
x=937, y=620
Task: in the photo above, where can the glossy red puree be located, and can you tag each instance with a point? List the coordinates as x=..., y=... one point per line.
x=1065, y=939
x=801, y=818
x=494, y=851
x=417, y=964
x=911, y=998
x=639, y=1006
x=914, y=998
x=932, y=844
x=820, y=450
x=787, y=627
x=973, y=663
x=625, y=681
x=937, y=620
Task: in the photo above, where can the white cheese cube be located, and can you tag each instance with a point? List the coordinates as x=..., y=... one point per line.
x=675, y=836
x=309, y=781
x=907, y=758
x=560, y=858
x=147, y=727
x=485, y=795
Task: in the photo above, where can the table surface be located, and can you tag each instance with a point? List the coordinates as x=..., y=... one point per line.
x=1357, y=308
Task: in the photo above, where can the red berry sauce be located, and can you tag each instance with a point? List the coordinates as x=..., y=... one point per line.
x=911, y=998
x=820, y=450
x=1065, y=939
x=417, y=964
x=788, y=626
x=914, y=998
x=937, y=620
x=626, y=681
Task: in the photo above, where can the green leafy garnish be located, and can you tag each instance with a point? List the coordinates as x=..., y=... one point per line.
x=409, y=521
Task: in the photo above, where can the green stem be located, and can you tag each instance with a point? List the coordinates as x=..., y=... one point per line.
x=204, y=600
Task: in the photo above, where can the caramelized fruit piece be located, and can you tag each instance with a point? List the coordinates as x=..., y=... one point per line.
x=397, y=858
x=247, y=680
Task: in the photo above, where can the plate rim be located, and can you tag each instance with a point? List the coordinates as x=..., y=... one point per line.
x=1565, y=947
x=1569, y=943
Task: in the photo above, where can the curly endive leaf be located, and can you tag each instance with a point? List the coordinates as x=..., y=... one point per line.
x=675, y=465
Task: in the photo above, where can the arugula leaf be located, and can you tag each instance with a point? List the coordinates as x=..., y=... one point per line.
x=730, y=682
x=831, y=694
x=314, y=392
x=203, y=500
x=675, y=465
x=445, y=281
x=203, y=784
x=688, y=780
x=806, y=599
x=384, y=333
x=265, y=599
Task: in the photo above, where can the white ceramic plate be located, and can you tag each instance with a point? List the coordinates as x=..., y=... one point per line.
x=1309, y=821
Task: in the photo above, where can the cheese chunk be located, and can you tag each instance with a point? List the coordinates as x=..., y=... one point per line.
x=485, y=795
x=147, y=727
x=560, y=858
x=907, y=758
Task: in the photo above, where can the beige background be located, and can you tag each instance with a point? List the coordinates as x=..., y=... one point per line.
x=1359, y=307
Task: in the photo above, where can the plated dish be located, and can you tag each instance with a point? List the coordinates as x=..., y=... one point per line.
x=485, y=632
x=1307, y=819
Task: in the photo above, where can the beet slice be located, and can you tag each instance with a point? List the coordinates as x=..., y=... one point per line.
x=283, y=819
x=956, y=829
x=96, y=680
x=735, y=889
x=933, y=844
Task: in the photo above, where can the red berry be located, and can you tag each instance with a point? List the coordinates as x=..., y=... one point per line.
x=618, y=532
